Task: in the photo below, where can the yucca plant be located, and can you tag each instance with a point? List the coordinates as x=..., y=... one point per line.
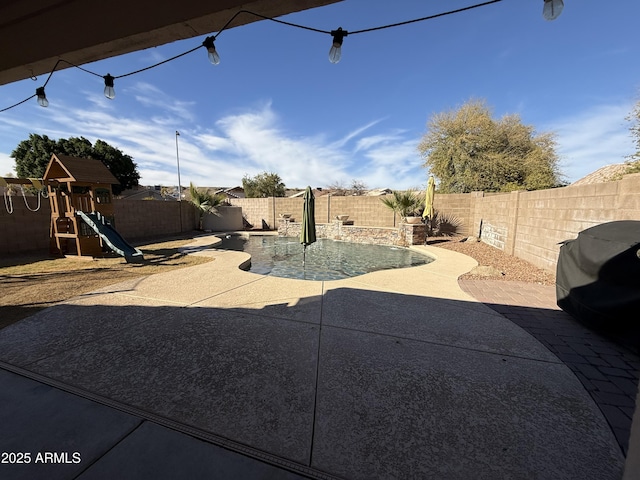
x=445, y=224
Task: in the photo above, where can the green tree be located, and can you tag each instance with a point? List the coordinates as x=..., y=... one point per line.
x=633, y=160
x=76, y=147
x=121, y=165
x=633, y=167
x=32, y=157
x=265, y=184
x=468, y=150
x=634, y=117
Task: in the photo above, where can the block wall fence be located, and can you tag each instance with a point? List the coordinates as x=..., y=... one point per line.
x=529, y=225
x=26, y=231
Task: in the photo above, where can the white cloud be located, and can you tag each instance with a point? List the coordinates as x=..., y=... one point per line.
x=355, y=133
x=592, y=139
x=402, y=159
x=152, y=55
x=246, y=142
x=7, y=165
x=368, y=142
x=149, y=95
x=215, y=143
x=255, y=140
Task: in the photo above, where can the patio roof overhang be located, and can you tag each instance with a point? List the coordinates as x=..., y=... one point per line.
x=39, y=32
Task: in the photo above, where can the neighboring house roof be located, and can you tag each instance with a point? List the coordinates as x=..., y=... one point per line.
x=234, y=192
x=604, y=174
x=147, y=193
x=316, y=193
x=75, y=169
x=378, y=192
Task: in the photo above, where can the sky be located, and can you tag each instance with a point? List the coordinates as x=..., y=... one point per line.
x=275, y=103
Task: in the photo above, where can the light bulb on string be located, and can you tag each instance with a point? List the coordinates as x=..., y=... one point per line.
x=552, y=9
x=214, y=58
x=109, y=91
x=336, y=48
x=42, y=98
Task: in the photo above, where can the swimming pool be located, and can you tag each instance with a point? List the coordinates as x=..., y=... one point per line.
x=325, y=260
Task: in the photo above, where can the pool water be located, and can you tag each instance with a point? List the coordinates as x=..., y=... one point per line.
x=324, y=260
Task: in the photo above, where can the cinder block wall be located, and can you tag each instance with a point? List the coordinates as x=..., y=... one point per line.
x=323, y=208
x=528, y=225
x=227, y=219
x=24, y=230
x=628, y=204
x=293, y=207
x=547, y=217
x=493, y=216
x=460, y=206
x=364, y=211
x=151, y=218
x=256, y=211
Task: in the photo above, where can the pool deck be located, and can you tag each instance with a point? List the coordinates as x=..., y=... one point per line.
x=214, y=372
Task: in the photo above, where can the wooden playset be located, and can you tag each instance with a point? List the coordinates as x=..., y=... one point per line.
x=82, y=213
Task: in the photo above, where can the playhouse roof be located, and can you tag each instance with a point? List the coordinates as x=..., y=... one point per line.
x=75, y=169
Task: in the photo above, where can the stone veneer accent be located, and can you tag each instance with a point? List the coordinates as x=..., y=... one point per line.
x=403, y=236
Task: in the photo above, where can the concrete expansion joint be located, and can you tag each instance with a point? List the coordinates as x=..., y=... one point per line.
x=145, y=416
x=112, y=447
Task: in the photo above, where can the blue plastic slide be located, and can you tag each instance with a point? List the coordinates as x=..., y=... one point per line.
x=111, y=237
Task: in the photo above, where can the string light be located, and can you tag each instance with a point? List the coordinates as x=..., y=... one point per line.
x=552, y=9
x=336, y=48
x=42, y=98
x=214, y=58
x=109, y=91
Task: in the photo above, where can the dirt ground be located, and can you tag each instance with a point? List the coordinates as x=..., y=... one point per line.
x=31, y=283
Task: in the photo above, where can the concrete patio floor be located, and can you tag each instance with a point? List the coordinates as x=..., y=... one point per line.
x=214, y=372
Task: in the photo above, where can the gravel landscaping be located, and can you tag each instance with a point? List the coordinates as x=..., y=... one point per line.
x=504, y=267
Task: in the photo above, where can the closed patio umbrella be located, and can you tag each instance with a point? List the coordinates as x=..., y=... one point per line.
x=308, y=230
x=428, y=203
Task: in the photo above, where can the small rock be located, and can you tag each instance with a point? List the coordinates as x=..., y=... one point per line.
x=486, y=271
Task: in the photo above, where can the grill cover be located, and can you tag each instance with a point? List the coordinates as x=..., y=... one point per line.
x=598, y=278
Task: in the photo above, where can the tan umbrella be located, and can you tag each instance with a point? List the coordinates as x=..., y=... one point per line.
x=428, y=203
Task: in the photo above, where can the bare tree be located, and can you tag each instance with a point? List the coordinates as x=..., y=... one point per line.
x=358, y=187
x=634, y=117
x=338, y=188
